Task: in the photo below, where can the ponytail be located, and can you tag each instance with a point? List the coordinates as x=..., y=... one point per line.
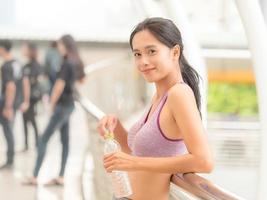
x=191, y=78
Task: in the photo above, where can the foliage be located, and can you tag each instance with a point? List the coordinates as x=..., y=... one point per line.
x=228, y=98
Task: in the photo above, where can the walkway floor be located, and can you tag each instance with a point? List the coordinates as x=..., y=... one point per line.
x=10, y=180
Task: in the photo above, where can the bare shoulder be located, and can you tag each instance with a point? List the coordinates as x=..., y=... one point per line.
x=181, y=101
x=181, y=94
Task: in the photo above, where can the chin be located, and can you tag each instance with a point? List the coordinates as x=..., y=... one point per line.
x=150, y=80
x=152, y=77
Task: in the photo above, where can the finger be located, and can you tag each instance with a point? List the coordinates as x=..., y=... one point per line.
x=113, y=160
x=109, y=164
x=102, y=126
x=119, y=166
x=114, y=123
x=113, y=165
x=109, y=128
x=100, y=130
x=110, y=169
x=108, y=157
x=103, y=121
x=111, y=123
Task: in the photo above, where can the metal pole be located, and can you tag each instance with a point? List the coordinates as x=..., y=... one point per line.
x=263, y=4
x=256, y=32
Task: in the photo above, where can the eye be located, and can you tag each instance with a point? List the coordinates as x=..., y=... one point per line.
x=137, y=55
x=151, y=51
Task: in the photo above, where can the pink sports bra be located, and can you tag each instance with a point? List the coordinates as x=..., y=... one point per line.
x=146, y=138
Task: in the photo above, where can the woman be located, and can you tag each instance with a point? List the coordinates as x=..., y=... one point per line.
x=33, y=71
x=62, y=106
x=170, y=137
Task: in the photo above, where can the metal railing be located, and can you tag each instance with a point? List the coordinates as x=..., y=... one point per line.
x=189, y=186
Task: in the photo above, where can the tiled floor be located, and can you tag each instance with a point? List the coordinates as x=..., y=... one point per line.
x=10, y=180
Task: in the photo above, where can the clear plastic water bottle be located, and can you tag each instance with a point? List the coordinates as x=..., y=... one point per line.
x=119, y=179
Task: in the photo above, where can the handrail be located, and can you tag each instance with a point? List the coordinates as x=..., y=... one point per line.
x=91, y=108
x=191, y=185
x=102, y=64
x=202, y=188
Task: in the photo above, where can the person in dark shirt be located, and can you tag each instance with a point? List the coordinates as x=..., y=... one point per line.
x=62, y=105
x=33, y=71
x=12, y=96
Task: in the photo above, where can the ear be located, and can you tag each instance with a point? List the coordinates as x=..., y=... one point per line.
x=176, y=52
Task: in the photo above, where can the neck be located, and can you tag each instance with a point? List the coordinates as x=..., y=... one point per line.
x=166, y=83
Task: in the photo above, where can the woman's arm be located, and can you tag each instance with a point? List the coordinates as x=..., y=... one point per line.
x=182, y=104
x=10, y=94
x=121, y=136
x=180, y=164
x=57, y=91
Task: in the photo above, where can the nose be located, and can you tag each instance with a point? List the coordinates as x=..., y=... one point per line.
x=144, y=61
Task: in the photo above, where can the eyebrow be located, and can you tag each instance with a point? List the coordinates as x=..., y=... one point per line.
x=146, y=47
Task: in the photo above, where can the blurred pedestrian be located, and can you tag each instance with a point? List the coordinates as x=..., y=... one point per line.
x=33, y=71
x=62, y=106
x=14, y=95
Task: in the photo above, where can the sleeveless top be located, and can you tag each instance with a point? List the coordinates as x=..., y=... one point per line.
x=146, y=138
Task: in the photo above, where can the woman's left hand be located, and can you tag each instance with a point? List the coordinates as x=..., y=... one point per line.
x=120, y=161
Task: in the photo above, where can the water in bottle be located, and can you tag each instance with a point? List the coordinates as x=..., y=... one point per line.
x=119, y=179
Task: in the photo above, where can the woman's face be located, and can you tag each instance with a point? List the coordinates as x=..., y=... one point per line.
x=61, y=48
x=153, y=59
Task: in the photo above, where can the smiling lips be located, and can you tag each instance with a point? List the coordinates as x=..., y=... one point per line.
x=146, y=71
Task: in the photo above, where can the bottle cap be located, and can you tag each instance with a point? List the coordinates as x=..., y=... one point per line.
x=109, y=135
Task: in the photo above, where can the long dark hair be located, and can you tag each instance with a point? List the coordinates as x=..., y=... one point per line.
x=73, y=54
x=167, y=33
